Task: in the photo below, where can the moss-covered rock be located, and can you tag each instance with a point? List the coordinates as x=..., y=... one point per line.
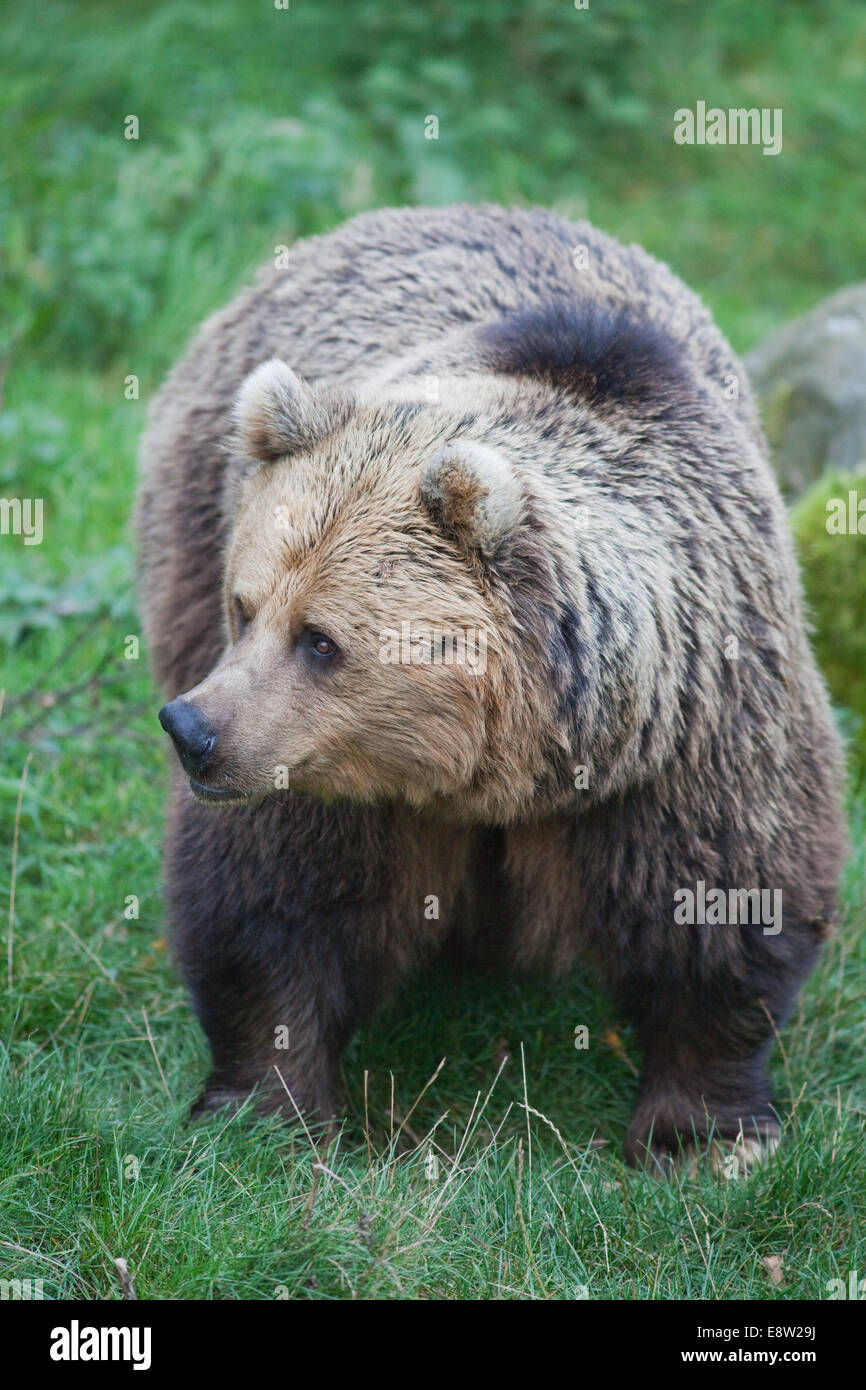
x=810, y=377
x=832, y=551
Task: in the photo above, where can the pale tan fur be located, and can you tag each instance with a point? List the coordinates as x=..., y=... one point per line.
x=329, y=542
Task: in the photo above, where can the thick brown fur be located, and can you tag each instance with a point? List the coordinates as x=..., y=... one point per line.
x=585, y=482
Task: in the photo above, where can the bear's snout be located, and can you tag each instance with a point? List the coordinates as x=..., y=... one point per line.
x=191, y=733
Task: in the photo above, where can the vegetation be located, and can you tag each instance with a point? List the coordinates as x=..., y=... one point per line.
x=258, y=125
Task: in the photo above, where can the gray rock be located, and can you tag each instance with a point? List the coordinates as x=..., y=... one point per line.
x=810, y=378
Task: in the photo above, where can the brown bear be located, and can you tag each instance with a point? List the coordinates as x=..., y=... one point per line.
x=467, y=576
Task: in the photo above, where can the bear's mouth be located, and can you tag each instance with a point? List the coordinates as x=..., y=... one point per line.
x=207, y=796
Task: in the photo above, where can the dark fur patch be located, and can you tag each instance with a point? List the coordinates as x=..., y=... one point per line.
x=598, y=355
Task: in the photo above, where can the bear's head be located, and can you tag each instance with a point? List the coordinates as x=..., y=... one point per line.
x=371, y=637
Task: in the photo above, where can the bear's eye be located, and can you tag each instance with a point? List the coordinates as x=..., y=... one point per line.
x=242, y=620
x=322, y=645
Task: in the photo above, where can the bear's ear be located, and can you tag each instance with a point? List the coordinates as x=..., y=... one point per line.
x=473, y=493
x=276, y=413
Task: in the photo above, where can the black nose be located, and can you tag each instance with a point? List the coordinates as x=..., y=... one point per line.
x=191, y=733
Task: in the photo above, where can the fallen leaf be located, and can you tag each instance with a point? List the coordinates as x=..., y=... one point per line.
x=617, y=1046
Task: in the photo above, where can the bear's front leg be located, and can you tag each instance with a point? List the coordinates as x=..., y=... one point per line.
x=689, y=1099
x=292, y=920
x=276, y=1018
x=707, y=1011
x=704, y=1079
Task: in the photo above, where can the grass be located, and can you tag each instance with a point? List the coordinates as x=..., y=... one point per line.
x=113, y=251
